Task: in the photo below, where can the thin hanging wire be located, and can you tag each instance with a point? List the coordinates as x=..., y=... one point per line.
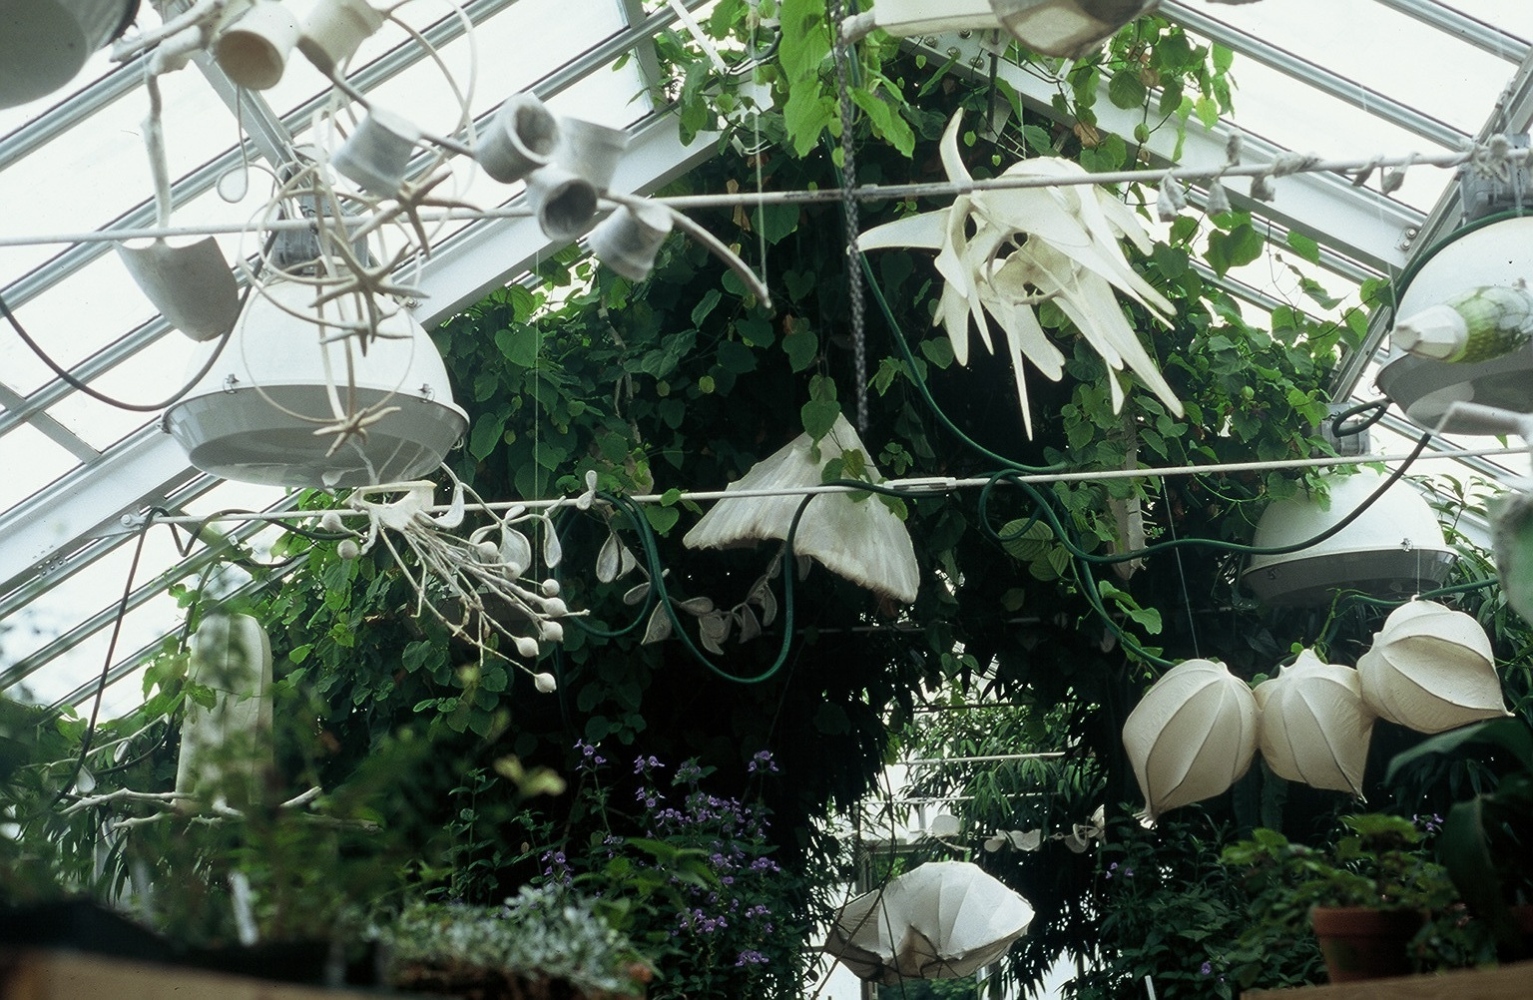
x=849, y=206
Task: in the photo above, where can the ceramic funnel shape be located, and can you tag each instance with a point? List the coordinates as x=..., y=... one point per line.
x=377, y=154
x=1191, y=736
x=521, y=138
x=628, y=239
x=253, y=50
x=1431, y=669
x=1315, y=727
x=861, y=541
x=191, y=286
x=334, y=30
x=940, y=920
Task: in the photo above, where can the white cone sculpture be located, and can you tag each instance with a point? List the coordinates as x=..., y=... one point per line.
x=1431, y=669
x=1191, y=736
x=227, y=747
x=861, y=540
x=941, y=920
x=1315, y=727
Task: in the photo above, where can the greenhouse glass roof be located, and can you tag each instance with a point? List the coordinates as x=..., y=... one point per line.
x=1345, y=79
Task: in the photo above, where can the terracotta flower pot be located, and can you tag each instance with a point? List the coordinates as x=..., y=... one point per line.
x=1362, y=943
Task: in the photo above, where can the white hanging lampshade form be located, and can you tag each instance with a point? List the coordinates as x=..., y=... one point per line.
x=253, y=417
x=1068, y=28
x=1431, y=669
x=44, y=43
x=861, y=540
x=1191, y=736
x=1315, y=727
x=1461, y=306
x=226, y=747
x=940, y=920
x=1396, y=548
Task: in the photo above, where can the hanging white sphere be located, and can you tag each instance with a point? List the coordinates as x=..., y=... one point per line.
x=1431, y=669
x=1314, y=725
x=1191, y=736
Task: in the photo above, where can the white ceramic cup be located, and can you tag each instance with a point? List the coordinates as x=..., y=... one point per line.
x=335, y=29
x=590, y=150
x=628, y=239
x=377, y=154
x=252, y=51
x=191, y=286
x=564, y=202
x=522, y=137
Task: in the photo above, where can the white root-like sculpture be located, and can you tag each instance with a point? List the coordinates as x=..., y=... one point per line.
x=941, y=920
x=1431, y=669
x=486, y=578
x=227, y=744
x=1066, y=250
x=1315, y=727
x=1191, y=736
x=861, y=540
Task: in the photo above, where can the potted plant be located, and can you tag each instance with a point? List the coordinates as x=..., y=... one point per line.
x=1487, y=842
x=545, y=942
x=1366, y=898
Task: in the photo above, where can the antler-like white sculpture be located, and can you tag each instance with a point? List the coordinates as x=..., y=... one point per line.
x=1066, y=250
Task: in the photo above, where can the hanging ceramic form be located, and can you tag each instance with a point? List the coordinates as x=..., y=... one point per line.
x=226, y=747
x=44, y=43
x=1314, y=725
x=1001, y=251
x=1464, y=325
x=862, y=541
x=277, y=407
x=1431, y=669
x=1191, y=736
x=1394, y=549
x=940, y=920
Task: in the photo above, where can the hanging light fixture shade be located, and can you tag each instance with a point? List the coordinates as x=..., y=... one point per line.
x=1315, y=727
x=44, y=43
x=254, y=416
x=1396, y=548
x=1479, y=265
x=1067, y=28
x=1431, y=669
x=1191, y=736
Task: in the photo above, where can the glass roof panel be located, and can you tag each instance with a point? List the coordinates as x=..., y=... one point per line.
x=31, y=461
x=1516, y=18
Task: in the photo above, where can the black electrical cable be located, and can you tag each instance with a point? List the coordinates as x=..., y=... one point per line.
x=1338, y=422
x=106, y=667
x=75, y=383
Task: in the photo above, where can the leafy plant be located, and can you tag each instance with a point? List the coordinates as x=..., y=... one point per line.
x=1487, y=841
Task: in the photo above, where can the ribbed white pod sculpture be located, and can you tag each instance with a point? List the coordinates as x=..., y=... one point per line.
x=1191, y=736
x=227, y=747
x=1431, y=669
x=1315, y=726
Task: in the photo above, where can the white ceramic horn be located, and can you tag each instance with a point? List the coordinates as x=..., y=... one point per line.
x=628, y=239
x=590, y=150
x=191, y=286
x=520, y=138
x=335, y=29
x=377, y=154
x=564, y=203
x=253, y=50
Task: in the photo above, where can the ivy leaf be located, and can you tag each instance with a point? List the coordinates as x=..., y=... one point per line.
x=1126, y=90
x=736, y=357
x=819, y=416
x=486, y=435
x=887, y=122
x=1304, y=246
x=801, y=346
x=776, y=222
x=662, y=519
x=520, y=345
x=808, y=111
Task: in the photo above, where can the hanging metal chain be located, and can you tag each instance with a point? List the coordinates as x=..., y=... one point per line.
x=854, y=290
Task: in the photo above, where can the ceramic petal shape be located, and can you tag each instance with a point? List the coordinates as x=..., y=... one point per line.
x=231, y=739
x=1191, y=736
x=1431, y=669
x=1315, y=726
x=861, y=540
x=940, y=920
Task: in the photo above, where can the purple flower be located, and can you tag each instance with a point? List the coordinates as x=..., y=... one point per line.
x=749, y=957
x=1206, y=969
x=762, y=762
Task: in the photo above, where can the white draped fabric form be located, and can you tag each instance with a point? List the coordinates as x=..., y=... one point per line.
x=1314, y=725
x=1431, y=669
